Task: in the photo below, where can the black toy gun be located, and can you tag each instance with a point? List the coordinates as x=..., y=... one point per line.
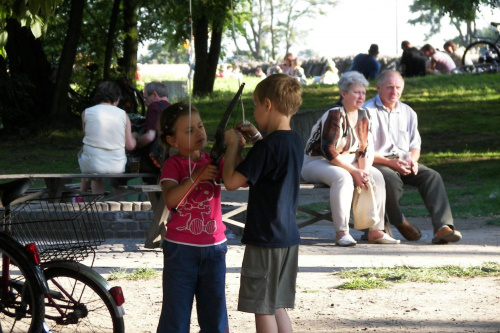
x=218, y=148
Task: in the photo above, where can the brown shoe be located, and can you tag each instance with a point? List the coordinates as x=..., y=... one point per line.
x=446, y=235
x=409, y=231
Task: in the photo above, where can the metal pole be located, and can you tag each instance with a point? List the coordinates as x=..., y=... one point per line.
x=397, y=37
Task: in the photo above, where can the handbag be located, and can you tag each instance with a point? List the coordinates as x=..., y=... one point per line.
x=364, y=206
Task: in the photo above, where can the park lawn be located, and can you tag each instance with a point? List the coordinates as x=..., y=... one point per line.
x=459, y=117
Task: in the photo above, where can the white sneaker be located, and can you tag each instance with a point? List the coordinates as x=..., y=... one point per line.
x=346, y=240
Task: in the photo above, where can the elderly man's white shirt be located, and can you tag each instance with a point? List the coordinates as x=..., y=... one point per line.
x=394, y=132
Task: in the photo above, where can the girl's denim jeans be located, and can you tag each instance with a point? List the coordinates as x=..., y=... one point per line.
x=190, y=271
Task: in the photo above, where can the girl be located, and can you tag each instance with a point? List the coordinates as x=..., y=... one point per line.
x=195, y=246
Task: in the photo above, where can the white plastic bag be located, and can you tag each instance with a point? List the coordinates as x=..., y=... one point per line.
x=364, y=206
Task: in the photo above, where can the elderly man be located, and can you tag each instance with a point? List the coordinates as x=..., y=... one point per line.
x=397, y=150
x=156, y=99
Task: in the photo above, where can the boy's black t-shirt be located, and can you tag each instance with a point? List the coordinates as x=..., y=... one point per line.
x=272, y=168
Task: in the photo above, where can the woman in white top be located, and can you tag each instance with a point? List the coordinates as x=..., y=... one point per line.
x=107, y=134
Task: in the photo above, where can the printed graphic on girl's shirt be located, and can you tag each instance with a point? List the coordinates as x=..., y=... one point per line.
x=197, y=209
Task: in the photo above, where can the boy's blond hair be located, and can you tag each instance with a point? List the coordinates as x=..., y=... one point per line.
x=283, y=91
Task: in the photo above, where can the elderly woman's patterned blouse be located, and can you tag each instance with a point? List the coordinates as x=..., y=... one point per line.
x=332, y=134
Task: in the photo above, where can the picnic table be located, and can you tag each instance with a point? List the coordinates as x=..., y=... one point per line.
x=55, y=183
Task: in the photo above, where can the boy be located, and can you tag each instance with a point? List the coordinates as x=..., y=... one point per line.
x=272, y=170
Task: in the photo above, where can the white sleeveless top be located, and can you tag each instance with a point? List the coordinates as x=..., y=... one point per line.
x=104, y=142
x=105, y=127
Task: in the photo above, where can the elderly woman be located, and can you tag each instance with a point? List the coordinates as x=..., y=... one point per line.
x=339, y=153
x=107, y=134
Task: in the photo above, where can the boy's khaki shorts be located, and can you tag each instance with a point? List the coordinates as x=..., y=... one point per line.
x=268, y=278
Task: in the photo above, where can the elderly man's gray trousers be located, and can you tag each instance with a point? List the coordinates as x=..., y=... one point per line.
x=431, y=187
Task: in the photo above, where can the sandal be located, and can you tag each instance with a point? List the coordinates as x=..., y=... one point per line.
x=386, y=239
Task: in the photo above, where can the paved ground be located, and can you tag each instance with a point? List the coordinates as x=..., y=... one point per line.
x=481, y=243
x=459, y=306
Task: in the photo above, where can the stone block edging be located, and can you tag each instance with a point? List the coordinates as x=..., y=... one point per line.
x=125, y=219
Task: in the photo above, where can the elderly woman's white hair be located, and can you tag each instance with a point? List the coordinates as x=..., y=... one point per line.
x=349, y=78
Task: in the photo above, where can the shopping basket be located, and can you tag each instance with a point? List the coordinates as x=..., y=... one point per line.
x=62, y=228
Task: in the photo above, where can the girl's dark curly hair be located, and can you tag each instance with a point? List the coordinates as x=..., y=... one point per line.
x=168, y=119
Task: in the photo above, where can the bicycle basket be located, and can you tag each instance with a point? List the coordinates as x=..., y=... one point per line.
x=61, y=228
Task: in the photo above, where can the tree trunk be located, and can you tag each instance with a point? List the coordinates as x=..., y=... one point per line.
x=207, y=57
x=110, y=40
x=130, y=44
x=206, y=62
x=27, y=59
x=63, y=78
x=201, y=84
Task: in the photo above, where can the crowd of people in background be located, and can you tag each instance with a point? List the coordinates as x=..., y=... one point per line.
x=415, y=61
x=290, y=66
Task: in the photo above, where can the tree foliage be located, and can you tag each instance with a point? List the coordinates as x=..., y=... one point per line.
x=52, y=47
x=269, y=24
x=464, y=10
x=460, y=11
x=29, y=13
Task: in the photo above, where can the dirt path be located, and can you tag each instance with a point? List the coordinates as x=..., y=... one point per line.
x=461, y=305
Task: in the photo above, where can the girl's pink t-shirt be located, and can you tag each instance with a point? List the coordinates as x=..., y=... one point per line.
x=198, y=220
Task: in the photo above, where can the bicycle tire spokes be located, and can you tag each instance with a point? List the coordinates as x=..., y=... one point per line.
x=21, y=303
x=83, y=307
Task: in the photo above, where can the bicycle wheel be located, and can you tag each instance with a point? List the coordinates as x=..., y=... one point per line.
x=84, y=305
x=22, y=305
x=484, y=55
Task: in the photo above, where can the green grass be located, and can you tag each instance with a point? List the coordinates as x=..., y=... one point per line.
x=160, y=72
x=363, y=284
x=373, y=278
x=459, y=117
x=136, y=274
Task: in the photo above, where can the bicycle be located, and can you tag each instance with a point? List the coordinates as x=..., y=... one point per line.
x=66, y=232
x=22, y=282
x=484, y=53
x=132, y=100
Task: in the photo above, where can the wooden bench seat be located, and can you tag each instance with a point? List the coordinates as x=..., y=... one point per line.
x=161, y=212
x=154, y=191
